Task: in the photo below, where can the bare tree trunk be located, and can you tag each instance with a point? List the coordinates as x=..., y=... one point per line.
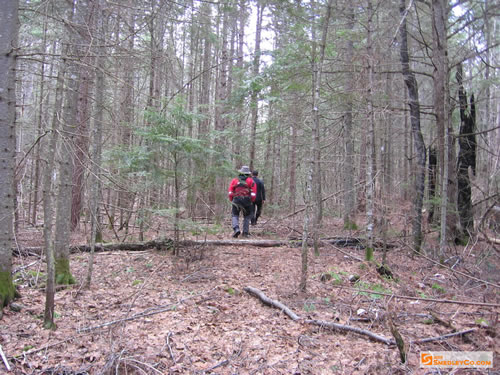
x=237, y=142
x=293, y=161
x=65, y=169
x=316, y=102
x=96, y=143
x=414, y=103
x=441, y=108
x=37, y=164
x=466, y=157
x=254, y=101
x=350, y=191
x=370, y=144
x=8, y=54
x=126, y=198
x=305, y=232
x=49, y=195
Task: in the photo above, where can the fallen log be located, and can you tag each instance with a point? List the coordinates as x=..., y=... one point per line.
x=167, y=244
x=164, y=244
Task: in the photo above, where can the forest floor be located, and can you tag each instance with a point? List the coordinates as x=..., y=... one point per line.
x=150, y=312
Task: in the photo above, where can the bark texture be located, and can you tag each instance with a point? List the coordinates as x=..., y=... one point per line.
x=8, y=44
x=418, y=139
x=466, y=156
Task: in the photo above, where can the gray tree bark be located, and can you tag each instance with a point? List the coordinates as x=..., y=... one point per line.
x=414, y=104
x=370, y=143
x=350, y=191
x=8, y=43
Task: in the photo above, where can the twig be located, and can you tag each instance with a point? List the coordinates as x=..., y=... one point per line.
x=460, y=273
x=143, y=314
x=136, y=316
x=223, y=363
x=321, y=323
x=496, y=305
x=167, y=340
x=43, y=348
x=4, y=359
x=443, y=337
x=345, y=253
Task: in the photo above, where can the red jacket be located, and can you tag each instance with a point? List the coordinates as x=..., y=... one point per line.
x=249, y=181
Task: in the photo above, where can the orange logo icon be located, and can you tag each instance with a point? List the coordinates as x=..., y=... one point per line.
x=426, y=359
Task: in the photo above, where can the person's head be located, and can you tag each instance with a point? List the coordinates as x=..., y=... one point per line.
x=245, y=171
x=255, y=173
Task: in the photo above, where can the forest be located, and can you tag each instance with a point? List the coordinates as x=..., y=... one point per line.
x=373, y=124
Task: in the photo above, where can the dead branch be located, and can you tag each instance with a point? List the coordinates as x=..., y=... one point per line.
x=496, y=305
x=167, y=340
x=347, y=254
x=321, y=323
x=136, y=316
x=443, y=337
x=4, y=359
x=342, y=327
x=459, y=272
x=270, y=302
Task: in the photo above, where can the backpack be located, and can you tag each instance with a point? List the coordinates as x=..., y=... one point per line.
x=242, y=189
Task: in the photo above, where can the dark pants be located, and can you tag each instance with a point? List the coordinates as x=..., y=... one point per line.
x=243, y=205
x=257, y=211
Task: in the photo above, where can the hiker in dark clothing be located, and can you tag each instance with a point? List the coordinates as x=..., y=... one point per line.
x=242, y=192
x=259, y=199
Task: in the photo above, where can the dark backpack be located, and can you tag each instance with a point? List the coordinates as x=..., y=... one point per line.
x=242, y=189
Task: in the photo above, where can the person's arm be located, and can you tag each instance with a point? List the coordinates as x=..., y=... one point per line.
x=230, y=191
x=253, y=186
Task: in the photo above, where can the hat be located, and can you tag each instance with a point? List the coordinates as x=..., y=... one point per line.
x=245, y=170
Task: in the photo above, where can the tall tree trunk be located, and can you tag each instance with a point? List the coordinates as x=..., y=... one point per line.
x=96, y=143
x=445, y=134
x=432, y=183
x=8, y=53
x=66, y=168
x=37, y=164
x=50, y=193
x=350, y=191
x=466, y=156
x=126, y=198
x=305, y=232
x=317, y=74
x=237, y=142
x=370, y=143
x=254, y=100
x=414, y=103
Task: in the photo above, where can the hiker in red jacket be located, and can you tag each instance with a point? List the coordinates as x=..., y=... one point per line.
x=242, y=192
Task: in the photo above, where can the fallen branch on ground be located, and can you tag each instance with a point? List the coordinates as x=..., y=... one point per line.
x=496, y=305
x=320, y=323
x=443, y=337
x=341, y=327
x=136, y=316
x=4, y=359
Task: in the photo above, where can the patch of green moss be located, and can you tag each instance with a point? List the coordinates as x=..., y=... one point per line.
x=7, y=289
x=369, y=254
x=63, y=273
x=350, y=225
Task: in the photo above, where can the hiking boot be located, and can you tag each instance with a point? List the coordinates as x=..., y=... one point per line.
x=246, y=234
x=253, y=222
x=236, y=233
